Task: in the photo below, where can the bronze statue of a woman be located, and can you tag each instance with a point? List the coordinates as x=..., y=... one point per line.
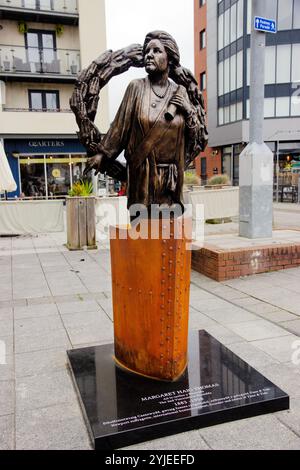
x=160, y=123
x=160, y=126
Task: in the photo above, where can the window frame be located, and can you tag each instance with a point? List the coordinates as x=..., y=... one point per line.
x=202, y=38
x=44, y=101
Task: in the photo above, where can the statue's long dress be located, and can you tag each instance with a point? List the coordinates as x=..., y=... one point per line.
x=151, y=277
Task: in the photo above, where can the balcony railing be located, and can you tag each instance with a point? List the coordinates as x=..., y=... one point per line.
x=55, y=6
x=17, y=60
x=42, y=110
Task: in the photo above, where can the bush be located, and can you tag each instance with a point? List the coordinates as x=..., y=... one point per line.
x=81, y=189
x=191, y=178
x=217, y=180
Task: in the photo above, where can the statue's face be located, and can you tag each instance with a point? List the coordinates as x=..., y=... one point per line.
x=156, y=57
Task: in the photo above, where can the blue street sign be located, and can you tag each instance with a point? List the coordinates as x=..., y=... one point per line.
x=265, y=25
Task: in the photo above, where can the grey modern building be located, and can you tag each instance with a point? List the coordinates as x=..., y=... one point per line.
x=228, y=70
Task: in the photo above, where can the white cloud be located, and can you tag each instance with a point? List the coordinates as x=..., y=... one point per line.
x=128, y=21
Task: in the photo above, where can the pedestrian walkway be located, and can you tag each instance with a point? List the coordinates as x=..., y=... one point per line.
x=52, y=300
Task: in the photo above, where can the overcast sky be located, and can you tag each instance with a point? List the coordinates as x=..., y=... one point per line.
x=128, y=21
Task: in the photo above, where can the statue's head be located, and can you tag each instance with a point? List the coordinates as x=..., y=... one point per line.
x=168, y=46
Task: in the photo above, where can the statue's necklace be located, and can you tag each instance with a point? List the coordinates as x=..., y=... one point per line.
x=158, y=95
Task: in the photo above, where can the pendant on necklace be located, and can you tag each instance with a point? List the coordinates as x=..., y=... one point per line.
x=153, y=105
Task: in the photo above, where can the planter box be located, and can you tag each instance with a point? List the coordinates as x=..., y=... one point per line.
x=81, y=223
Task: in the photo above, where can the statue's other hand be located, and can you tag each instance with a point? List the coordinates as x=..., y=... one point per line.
x=181, y=103
x=94, y=163
x=135, y=53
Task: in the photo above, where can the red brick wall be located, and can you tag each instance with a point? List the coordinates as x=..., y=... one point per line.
x=223, y=265
x=200, y=23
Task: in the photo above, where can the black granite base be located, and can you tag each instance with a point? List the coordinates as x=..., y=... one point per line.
x=122, y=409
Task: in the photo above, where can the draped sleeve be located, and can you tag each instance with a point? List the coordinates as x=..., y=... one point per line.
x=118, y=135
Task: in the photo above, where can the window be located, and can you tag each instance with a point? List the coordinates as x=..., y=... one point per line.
x=240, y=18
x=227, y=27
x=43, y=100
x=269, y=107
x=221, y=79
x=202, y=39
x=296, y=24
x=203, y=166
x=41, y=49
x=296, y=63
x=203, y=81
x=38, y=4
x=283, y=106
x=285, y=14
x=201, y=3
x=233, y=23
x=221, y=32
x=283, y=73
x=270, y=65
x=233, y=73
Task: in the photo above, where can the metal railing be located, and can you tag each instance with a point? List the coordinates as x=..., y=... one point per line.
x=32, y=60
x=55, y=6
x=43, y=110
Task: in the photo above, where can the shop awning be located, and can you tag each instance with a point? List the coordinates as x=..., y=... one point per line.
x=7, y=182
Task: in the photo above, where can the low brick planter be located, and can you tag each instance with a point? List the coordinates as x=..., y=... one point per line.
x=222, y=265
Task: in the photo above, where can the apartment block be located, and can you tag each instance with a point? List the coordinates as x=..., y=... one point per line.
x=44, y=44
x=228, y=28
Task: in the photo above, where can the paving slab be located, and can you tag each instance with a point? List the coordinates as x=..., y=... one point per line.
x=254, y=356
x=7, y=403
x=78, y=306
x=35, y=326
x=35, y=310
x=292, y=326
x=291, y=417
x=58, y=427
x=7, y=432
x=285, y=376
x=5, y=314
x=40, y=362
x=256, y=330
x=281, y=348
x=230, y=314
x=58, y=339
x=44, y=390
x=259, y=433
x=7, y=370
x=184, y=441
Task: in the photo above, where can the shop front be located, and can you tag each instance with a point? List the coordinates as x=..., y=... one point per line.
x=45, y=168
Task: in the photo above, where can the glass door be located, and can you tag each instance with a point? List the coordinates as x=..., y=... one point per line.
x=41, y=49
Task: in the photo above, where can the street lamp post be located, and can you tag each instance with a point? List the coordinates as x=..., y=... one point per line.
x=256, y=160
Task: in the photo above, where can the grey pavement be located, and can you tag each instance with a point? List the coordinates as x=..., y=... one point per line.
x=52, y=300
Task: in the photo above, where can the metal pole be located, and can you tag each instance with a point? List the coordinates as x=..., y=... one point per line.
x=277, y=172
x=256, y=160
x=257, y=77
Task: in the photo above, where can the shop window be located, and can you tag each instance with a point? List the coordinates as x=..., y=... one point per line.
x=202, y=39
x=43, y=100
x=203, y=81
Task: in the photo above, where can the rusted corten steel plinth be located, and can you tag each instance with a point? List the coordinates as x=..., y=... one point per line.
x=151, y=286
